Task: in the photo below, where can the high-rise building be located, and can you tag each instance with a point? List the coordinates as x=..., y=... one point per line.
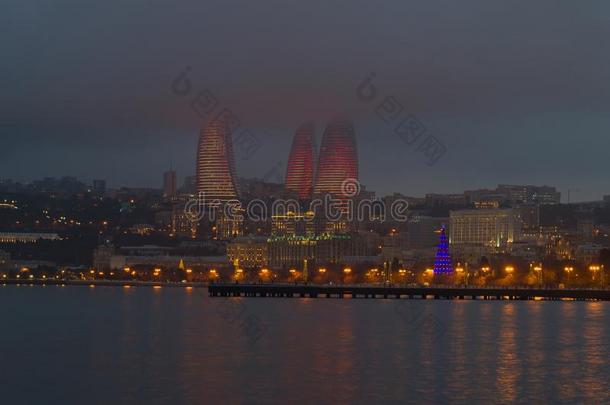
x=216, y=176
x=338, y=162
x=99, y=186
x=299, y=172
x=190, y=185
x=169, y=183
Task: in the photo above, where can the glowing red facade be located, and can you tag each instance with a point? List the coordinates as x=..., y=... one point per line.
x=338, y=159
x=216, y=176
x=299, y=173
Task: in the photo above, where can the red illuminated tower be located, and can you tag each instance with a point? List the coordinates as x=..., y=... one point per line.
x=215, y=163
x=299, y=173
x=338, y=161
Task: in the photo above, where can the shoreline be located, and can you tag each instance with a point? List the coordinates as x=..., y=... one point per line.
x=341, y=291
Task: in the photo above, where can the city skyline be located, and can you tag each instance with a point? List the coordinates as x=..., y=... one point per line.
x=305, y=202
x=514, y=107
x=396, y=179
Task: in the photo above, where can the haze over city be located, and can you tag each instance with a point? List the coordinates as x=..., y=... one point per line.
x=524, y=105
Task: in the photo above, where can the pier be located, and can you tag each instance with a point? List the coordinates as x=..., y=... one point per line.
x=402, y=292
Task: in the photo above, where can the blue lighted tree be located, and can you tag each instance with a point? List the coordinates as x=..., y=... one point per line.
x=442, y=262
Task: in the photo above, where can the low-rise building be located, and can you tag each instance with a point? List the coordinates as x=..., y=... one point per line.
x=248, y=251
x=26, y=237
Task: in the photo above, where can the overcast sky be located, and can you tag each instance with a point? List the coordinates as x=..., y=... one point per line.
x=517, y=92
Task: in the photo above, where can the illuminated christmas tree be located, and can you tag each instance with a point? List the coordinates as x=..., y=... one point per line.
x=442, y=262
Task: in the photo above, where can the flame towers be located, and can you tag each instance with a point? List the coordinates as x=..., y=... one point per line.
x=299, y=173
x=216, y=176
x=338, y=162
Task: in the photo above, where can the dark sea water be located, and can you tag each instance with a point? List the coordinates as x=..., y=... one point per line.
x=172, y=345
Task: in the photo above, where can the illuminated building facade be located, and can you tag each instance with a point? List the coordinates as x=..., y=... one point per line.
x=322, y=249
x=299, y=173
x=215, y=163
x=487, y=227
x=229, y=226
x=338, y=158
x=250, y=251
x=181, y=224
x=291, y=224
x=26, y=237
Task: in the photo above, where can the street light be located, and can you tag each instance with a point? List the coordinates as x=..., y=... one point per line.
x=509, y=270
x=347, y=270
x=568, y=270
x=595, y=268
x=459, y=270
x=538, y=270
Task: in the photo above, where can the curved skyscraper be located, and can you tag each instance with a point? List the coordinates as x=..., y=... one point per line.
x=215, y=163
x=299, y=173
x=338, y=160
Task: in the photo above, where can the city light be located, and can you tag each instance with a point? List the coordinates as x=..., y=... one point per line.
x=509, y=270
x=322, y=270
x=347, y=270
x=596, y=268
x=568, y=270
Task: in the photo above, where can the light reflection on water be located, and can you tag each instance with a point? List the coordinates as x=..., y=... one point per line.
x=173, y=345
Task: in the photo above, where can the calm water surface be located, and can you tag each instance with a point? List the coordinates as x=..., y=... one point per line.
x=173, y=345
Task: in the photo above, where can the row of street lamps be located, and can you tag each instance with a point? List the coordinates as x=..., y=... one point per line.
x=460, y=270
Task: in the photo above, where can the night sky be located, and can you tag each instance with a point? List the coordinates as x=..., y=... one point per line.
x=517, y=92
